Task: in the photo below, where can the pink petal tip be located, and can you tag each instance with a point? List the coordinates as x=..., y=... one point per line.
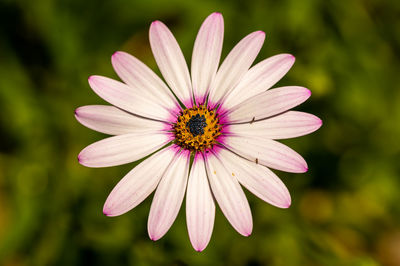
x=152, y=238
x=247, y=234
x=106, y=213
x=155, y=22
x=260, y=32
x=287, y=203
x=81, y=160
x=115, y=54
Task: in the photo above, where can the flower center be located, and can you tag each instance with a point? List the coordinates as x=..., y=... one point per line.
x=197, y=128
x=196, y=125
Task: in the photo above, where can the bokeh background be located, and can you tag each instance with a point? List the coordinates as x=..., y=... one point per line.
x=345, y=210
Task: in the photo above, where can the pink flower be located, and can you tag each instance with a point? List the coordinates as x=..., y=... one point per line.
x=225, y=117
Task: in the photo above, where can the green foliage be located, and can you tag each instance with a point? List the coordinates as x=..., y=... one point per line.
x=345, y=210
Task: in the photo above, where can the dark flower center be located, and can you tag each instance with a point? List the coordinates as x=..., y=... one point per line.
x=196, y=125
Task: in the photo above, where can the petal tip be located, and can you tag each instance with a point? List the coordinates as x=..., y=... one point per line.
x=154, y=233
x=92, y=79
x=304, y=93
x=302, y=166
x=247, y=234
x=260, y=33
x=317, y=123
x=153, y=238
x=246, y=230
x=199, y=249
x=199, y=246
x=107, y=209
x=106, y=213
x=155, y=23
x=80, y=159
x=216, y=14
x=115, y=54
x=287, y=203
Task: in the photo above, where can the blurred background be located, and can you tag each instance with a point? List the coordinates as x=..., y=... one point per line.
x=345, y=210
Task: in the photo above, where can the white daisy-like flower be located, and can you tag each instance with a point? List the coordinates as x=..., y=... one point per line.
x=225, y=118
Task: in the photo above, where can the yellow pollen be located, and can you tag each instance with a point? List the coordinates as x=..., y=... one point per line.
x=197, y=128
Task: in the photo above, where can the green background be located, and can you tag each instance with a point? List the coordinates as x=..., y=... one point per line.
x=345, y=210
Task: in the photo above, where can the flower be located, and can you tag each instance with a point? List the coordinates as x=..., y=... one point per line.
x=225, y=118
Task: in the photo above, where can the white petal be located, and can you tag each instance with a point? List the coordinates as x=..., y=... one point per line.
x=121, y=149
x=169, y=196
x=200, y=207
x=138, y=183
x=290, y=124
x=258, y=179
x=260, y=78
x=170, y=61
x=128, y=98
x=206, y=54
x=236, y=65
x=137, y=75
x=267, y=152
x=229, y=195
x=267, y=104
x=114, y=121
